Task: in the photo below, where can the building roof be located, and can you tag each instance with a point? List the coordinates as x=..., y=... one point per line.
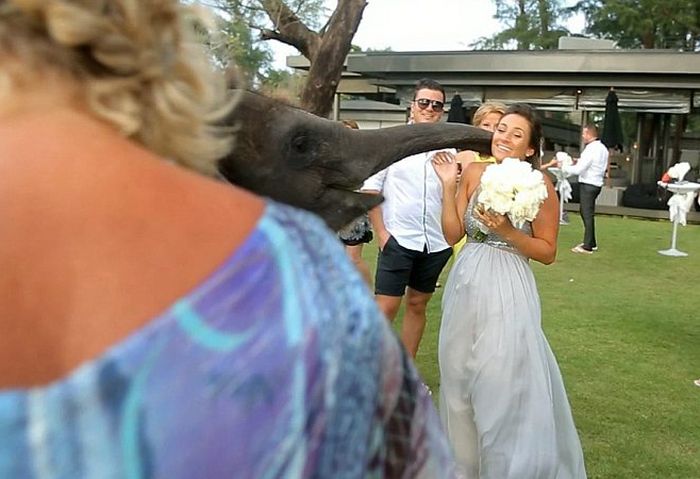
x=653, y=68
x=645, y=80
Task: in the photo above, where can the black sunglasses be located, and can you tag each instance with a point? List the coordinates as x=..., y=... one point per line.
x=423, y=103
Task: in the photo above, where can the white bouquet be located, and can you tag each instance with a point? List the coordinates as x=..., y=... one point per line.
x=514, y=189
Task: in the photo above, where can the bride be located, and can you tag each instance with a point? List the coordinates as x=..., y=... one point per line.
x=502, y=399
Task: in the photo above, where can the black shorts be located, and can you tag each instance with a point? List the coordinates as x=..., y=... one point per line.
x=398, y=267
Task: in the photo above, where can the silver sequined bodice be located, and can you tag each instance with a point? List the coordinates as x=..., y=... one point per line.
x=475, y=235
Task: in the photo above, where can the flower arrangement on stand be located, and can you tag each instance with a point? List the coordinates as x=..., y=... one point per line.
x=563, y=186
x=563, y=159
x=676, y=173
x=680, y=203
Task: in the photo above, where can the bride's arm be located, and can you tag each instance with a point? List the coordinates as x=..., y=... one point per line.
x=542, y=245
x=453, y=193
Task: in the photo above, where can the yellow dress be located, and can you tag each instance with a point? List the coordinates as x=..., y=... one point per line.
x=477, y=159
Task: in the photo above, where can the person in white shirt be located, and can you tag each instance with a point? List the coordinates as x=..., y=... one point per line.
x=591, y=169
x=412, y=248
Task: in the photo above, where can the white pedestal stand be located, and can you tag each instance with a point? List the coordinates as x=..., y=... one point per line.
x=677, y=188
x=561, y=178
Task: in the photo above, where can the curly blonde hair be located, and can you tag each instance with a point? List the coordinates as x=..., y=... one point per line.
x=352, y=124
x=139, y=64
x=486, y=109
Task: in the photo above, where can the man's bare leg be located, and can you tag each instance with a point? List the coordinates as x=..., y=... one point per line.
x=355, y=254
x=414, y=319
x=389, y=305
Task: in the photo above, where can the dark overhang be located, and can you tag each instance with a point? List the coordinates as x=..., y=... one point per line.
x=605, y=62
x=647, y=80
x=658, y=69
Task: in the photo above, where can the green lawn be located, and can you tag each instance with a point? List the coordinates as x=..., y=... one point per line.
x=624, y=324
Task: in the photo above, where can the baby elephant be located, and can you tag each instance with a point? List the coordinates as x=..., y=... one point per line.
x=300, y=159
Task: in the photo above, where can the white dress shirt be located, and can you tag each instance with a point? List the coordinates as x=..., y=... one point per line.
x=592, y=165
x=412, y=206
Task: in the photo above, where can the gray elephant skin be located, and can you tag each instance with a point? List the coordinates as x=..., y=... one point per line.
x=297, y=158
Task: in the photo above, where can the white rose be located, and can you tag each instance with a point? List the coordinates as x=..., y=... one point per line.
x=513, y=188
x=531, y=179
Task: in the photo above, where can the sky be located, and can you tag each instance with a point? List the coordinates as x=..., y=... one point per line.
x=420, y=25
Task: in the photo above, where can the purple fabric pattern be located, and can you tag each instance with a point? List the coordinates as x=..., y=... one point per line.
x=278, y=365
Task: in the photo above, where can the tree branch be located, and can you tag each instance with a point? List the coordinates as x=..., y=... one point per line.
x=290, y=29
x=267, y=34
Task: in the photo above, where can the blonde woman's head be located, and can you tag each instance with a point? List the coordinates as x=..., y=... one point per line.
x=136, y=64
x=488, y=115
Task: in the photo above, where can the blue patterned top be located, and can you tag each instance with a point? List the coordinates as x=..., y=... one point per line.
x=278, y=365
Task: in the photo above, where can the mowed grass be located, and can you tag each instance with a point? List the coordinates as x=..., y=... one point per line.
x=624, y=324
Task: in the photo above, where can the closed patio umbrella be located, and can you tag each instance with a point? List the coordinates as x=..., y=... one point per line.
x=612, y=136
x=457, y=112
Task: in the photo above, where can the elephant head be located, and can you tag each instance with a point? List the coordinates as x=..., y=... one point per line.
x=300, y=159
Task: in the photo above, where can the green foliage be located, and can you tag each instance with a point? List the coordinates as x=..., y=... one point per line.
x=644, y=23
x=239, y=40
x=385, y=49
x=283, y=84
x=234, y=42
x=529, y=25
x=277, y=78
x=312, y=12
x=359, y=49
x=693, y=123
x=623, y=324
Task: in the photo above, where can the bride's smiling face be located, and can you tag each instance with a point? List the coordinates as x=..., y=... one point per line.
x=512, y=138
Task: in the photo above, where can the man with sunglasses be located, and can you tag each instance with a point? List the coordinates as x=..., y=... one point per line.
x=412, y=248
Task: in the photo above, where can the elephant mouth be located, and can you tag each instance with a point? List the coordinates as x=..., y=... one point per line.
x=338, y=195
x=339, y=205
x=350, y=192
x=348, y=188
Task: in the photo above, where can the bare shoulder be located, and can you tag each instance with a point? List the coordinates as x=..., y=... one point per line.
x=465, y=156
x=244, y=205
x=477, y=168
x=472, y=176
x=137, y=240
x=474, y=171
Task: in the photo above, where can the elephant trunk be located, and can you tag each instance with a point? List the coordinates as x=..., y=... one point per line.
x=373, y=150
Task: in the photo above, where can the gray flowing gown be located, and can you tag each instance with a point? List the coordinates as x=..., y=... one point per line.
x=502, y=399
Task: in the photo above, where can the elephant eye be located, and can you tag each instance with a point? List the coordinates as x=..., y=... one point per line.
x=300, y=144
x=303, y=150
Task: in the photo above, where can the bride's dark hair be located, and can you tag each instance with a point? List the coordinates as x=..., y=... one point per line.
x=526, y=111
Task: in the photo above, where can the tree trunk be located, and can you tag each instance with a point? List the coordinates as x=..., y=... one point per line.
x=329, y=61
x=325, y=51
x=678, y=136
x=543, y=6
x=522, y=25
x=648, y=38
